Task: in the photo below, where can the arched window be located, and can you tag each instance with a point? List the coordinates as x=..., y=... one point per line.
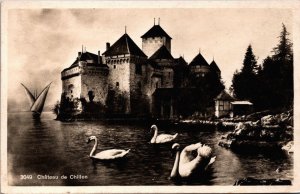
x=91, y=95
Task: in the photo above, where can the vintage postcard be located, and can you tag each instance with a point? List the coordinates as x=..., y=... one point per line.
x=149, y=97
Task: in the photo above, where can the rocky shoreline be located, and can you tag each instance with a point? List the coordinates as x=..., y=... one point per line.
x=270, y=132
x=260, y=131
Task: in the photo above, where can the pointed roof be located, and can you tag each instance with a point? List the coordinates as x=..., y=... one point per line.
x=162, y=53
x=181, y=61
x=199, y=60
x=156, y=31
x=214, y=67
x=224, y=96
x=125, y=45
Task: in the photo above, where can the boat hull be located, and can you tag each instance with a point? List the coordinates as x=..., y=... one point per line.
x=36, y=115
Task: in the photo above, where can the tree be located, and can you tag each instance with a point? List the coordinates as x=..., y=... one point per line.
x=283, y=57
x=276, y=76
x=244, y=82
x=250, y=63
x=283, y=51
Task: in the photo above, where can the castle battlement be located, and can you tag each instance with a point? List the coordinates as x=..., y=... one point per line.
x=68, y=73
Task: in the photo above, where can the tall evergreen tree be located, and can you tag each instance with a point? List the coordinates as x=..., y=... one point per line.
x=244, y=82
x=250, y=63
x=276, y=76
x=284, y=49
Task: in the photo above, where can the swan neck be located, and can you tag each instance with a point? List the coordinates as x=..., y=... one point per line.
x=154, y=136
x=174, y=172
x=94, y=148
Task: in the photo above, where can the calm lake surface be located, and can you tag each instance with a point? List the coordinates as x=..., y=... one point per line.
x=54, y=148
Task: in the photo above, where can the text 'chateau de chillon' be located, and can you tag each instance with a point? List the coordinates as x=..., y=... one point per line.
x=147, y=82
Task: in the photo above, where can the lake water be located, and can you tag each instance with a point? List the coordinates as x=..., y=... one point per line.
x=54, y=148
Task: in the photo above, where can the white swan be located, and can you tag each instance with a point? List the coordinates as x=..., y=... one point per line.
x=187, y=165
x=162, y=138
x=107, y=154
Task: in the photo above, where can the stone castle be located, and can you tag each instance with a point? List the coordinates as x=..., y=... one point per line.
x=127, y=80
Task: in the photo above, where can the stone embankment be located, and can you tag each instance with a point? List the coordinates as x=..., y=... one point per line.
x=268, y=133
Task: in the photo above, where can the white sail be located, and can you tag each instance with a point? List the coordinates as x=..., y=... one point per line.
x=38, y=105
x=30, y=96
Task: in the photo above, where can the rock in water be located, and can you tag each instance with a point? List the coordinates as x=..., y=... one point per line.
x=289, y=147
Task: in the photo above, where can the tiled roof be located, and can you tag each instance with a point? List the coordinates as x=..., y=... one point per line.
x=199, y=60
x=156, y=31
x=214, y=67
x=224, y=96
x=85, y=56
x=162, y=53
x=125, y=45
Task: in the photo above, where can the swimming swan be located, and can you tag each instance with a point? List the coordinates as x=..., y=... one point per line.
x=186, y=164
x=162, y=138
x=107, y=154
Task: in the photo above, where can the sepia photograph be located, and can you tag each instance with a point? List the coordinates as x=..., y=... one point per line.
x=137, y=94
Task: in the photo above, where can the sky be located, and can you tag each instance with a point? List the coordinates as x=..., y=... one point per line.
x=42, y=42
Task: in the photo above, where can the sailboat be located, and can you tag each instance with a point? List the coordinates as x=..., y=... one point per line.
x=37, y=101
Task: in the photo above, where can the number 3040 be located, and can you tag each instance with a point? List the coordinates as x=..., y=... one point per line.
x=26, y=176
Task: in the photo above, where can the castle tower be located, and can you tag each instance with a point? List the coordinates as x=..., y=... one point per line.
x=214, y=68
x=164, y=61
x=155, y=38
x=124, y=59
x=199, y=66
x=85, y=79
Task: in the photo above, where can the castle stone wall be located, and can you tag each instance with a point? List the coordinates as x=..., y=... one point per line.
x=139, y=100
x=150, y=45
x=167, y=81
x=96, y=82
x=119, y=83
x=202, y=70
x=72, y=87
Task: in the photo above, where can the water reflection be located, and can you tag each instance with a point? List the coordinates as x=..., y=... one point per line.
x=51, y=147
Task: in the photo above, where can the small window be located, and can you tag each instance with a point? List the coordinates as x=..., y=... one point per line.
x=114, y=66
x=71, y=86
x=169, y=74
x=117, y=84
x=71, y=91
x=221, y=105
